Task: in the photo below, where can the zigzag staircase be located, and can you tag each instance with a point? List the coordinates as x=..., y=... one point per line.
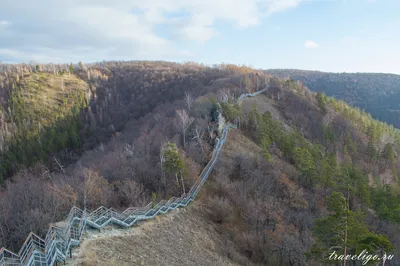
x=59, y=240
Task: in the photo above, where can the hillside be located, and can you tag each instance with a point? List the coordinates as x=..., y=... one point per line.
x=183, y=237
x=127, y=111
x=262, y=209
x=378, y=94
x=149, y=128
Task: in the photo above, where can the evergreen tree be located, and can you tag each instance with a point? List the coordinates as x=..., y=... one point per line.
x=373, y=154
x=328, y=170
x=343, y=232
x=287, y=143
x=386, y=202
x=264, y=136
x=388, y=153
x=173, y=164
x=321, y=100
x=329, y=135
x=353, y=180
x=347, y=158
x=352, y=147
x=305, y=164
x=376, y=243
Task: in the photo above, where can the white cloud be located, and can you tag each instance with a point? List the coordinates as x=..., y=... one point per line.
x=311, y=44
x=278, y=6
x=4, y=23
x=127, y=29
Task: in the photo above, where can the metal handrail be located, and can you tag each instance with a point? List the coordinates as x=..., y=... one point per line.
x=58, y=241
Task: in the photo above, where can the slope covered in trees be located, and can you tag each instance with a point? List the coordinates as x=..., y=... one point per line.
x=146, y=129
x=378, y=94
x=57, y=112
x=124, y=115
x=307, y=190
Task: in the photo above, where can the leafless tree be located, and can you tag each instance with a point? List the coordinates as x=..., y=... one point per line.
x=183, y=123
x=189, y=100
x=58, y=165
x=162, y=160
x=132, y=193
x=225, y=95
x=247, y=83
x=199, y=138
x=46, y=173
x=128, y=150
x=96, y=191
x=329, y=117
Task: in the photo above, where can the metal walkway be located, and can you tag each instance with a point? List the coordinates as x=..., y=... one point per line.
x=58, y=241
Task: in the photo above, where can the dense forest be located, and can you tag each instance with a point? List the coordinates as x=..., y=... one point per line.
x=378, y=94
x=302, y=170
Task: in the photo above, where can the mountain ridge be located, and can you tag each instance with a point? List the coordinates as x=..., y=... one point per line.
x=377, y=93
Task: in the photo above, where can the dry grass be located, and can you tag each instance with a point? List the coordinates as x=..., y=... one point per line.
x=182, y=237
x=46, y=95
x=264, y=104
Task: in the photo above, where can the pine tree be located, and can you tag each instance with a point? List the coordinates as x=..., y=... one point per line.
x=173, y=164
x=354, y=181
x=343, y=232
x=352, y=147
x=321, y=100
x=373, y=154
x=264, y=136
x=388, y=153
x=328, y=170
x=376, y=242
x=330, y=232
x=347, y=157
x=306, y=165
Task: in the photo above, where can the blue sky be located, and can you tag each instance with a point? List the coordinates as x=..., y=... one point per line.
x=326, y=35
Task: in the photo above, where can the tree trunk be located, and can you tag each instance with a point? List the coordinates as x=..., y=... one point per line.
x=183, y=184
x=177, y=180
x=184, y=139
x=346, y=228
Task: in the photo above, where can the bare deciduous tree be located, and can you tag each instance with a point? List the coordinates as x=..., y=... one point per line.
x=132, y=193
x=189, y=100
x=58, y=165
x=199, y=138
x=97, y=190
x=46, y=172
x=162, y=160
x=225, y=95
x=128, y=150
x=183, y=123
x=329, y=117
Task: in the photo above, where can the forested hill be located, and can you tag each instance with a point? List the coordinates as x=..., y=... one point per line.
x=377, y=93
x=50, y=114
x=122, y=134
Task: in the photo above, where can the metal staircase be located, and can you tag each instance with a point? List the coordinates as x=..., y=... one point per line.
x=57, y=244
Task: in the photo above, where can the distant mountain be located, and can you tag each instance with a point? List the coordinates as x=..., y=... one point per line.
x=377, y=93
